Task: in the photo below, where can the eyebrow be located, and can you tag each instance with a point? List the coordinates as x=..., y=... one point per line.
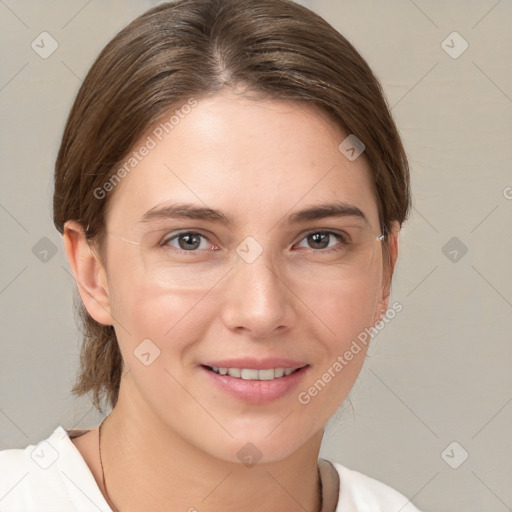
x=193, y=212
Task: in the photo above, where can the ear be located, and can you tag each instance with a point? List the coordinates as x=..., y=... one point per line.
x=390, y=256
x=89, y=273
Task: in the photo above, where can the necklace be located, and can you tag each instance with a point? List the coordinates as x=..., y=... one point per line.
x=102, y=470
x=117, y=510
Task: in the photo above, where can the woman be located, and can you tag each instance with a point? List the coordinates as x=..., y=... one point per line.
x=230, y=188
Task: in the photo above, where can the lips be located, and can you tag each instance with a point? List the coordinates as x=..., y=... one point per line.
x=256, y=381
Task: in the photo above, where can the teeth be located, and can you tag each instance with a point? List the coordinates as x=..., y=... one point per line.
x=234, y=372
x=252, y=374
x=265, y=374
x=248, y=374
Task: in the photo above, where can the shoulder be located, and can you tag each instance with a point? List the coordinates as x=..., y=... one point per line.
x=362, y=493
x=49, y=476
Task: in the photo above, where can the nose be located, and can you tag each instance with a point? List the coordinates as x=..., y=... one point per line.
x=257, y=300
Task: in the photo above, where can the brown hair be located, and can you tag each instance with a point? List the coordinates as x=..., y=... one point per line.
x=193, y=48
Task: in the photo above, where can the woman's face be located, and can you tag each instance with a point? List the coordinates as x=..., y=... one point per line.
x=267, y=290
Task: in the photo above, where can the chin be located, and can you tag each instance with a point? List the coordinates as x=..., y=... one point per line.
x=258, y=444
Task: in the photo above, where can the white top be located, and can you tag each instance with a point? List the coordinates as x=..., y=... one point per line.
x=53, y=477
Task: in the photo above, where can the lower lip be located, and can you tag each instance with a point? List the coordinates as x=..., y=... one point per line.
x=257, y=392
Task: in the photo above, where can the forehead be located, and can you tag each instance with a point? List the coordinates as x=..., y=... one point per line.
x=243, y=157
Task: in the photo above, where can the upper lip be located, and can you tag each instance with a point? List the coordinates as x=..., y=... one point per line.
x=256, y=364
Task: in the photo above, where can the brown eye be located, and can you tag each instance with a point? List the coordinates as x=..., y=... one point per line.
x=187, y=241
x=319, y=240
x=322, y=239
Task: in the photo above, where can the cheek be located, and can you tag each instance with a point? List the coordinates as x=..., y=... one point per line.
x=143, y=309
x=157, y=333
x=344, y=308
x=173, y=320
x=148, y=311
x=343, y=314
x=347, y=309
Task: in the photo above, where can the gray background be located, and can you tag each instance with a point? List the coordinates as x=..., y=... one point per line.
x=439, y=372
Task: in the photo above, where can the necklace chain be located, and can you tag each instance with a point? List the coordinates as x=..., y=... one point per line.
x=102, y=470
x=117, y=510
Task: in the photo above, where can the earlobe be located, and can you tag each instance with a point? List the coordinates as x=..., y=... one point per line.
x=89, y=273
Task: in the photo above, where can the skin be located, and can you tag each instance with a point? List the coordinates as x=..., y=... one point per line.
x=171, y=430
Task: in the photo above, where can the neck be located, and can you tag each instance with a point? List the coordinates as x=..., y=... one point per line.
x=149, y=467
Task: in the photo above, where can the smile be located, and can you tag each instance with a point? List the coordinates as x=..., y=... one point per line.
x=252, y=374
x=256, y=386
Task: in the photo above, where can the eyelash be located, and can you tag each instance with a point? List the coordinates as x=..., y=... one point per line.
x=344, y=239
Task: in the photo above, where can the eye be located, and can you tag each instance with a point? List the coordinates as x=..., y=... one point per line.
x=188, y=241
x=322, y=239
x=191, y=241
